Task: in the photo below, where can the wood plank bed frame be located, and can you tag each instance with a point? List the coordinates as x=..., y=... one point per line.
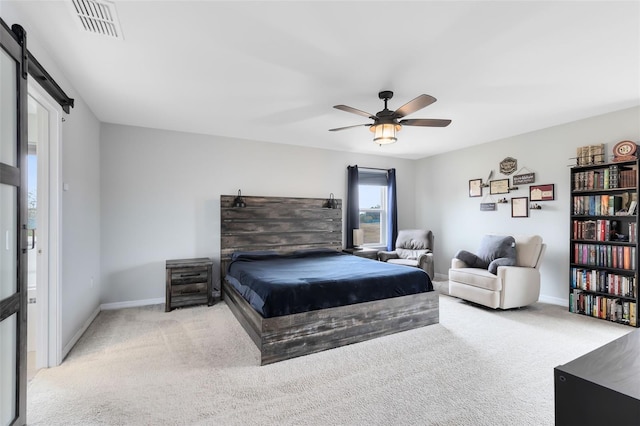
x=285, y=224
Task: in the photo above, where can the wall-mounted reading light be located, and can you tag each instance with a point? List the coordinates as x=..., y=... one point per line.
x=331, y=203
x=239, y=201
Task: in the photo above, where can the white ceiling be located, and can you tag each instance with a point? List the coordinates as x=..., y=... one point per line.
x=272, y=70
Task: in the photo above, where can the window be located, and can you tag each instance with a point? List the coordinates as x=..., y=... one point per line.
x=373, y=213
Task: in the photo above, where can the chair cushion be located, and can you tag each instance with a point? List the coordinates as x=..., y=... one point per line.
x=476, y=277
x=410, y=240
x=493, y=247
x=494, y=251
x=406, y=262
x=501, y=261
x=471, y=260
x=410, y=254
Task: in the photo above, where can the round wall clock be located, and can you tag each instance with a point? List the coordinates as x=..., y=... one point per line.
x=624, y=148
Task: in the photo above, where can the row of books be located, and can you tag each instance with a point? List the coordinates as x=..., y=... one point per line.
x=590, y=154
x=603, y=307
x=604, y=282
x=627, y=178
x=610, y=177
x=598, y=205
x=606, y=256
x=598, y=230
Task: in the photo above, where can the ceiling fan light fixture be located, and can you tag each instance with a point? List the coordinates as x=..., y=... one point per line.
x=387, y=123
x=385, y=133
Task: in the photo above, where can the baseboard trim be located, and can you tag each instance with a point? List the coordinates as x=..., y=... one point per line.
x=554, y=300
x=441, y=277
x=131, y=304
x=79, y=333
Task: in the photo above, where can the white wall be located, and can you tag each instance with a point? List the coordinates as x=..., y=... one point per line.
x=161, y=196
x=161, y=190
x=444, y=205
x=80, y=235
x=80, y=296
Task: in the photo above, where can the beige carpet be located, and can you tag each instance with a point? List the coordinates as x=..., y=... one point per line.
x=142, y=366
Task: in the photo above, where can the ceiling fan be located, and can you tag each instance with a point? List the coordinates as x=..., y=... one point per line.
x=386, y=122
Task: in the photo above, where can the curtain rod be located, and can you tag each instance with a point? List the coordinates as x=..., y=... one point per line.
x=371, y=168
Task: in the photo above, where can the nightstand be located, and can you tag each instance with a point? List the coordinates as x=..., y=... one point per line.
x=369, y=253
x=189, y=282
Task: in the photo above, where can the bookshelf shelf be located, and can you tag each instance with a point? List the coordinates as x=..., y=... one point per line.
x=604, y=255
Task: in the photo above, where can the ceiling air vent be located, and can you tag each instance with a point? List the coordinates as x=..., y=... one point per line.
x=98, y=17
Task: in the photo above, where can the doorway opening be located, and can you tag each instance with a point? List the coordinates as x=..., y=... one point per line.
x=43, y=322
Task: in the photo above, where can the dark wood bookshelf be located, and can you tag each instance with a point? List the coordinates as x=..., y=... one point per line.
x=604, y=252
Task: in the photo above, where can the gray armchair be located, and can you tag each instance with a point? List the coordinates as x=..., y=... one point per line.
x=414, y=247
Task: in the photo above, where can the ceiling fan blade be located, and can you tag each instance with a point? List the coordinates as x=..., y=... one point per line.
x=428, y=122
x=414, y=105
x=355, y=111
x=348, y=127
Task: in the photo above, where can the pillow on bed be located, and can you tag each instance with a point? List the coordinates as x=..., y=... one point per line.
x=254, y=255
x=313, y=251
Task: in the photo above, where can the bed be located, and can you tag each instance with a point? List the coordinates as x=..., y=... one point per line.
x=274, y=237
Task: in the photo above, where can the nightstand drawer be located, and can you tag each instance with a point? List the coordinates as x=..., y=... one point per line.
x=189, y=276
x=180, y=289
x=188, y=300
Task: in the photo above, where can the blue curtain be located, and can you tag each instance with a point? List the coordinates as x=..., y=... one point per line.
x=353, y=204
x=392, y=216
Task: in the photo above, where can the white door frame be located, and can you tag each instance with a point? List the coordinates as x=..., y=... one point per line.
x=49, y=339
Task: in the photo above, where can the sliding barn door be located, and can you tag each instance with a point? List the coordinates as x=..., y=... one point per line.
x=13, y=194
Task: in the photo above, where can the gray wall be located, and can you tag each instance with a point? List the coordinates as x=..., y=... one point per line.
x=80, y=206
x=80, y=240
x=444, y=204
x=161, y=196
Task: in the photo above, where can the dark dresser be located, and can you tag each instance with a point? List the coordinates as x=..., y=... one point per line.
x=601, y=387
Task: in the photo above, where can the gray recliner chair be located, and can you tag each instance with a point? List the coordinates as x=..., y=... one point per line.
x=414, y=247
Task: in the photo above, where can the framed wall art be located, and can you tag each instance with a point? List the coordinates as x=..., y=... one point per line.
x=520, y=207
x=542, y=192
x=500, y=186
x=475, y=188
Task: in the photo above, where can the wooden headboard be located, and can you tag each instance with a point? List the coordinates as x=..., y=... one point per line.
x=282, y=224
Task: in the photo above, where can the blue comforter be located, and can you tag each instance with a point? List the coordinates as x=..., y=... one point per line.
x=304, y=281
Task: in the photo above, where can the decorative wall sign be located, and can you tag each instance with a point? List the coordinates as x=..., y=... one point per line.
x=524, y=178
x=542, y=192
x=520, y=207
x=500, y=186
x=508, y=165
x=487, y=207
x=475, y=188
